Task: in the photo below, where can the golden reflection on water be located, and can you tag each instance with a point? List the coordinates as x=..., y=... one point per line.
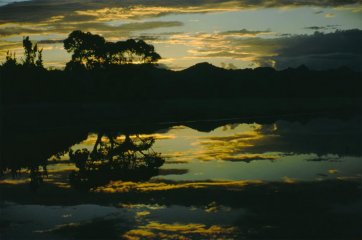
x=119, y=186
x=220, y=154
x=15, y=181
x=182, y=144
x=156, y=230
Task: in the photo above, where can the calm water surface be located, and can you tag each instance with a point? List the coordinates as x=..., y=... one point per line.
x=283, y=180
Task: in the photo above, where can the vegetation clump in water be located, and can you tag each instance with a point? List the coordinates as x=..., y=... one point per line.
x=130, y=160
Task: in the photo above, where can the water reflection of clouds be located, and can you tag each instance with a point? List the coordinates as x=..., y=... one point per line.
x=322, y=137
x=315, y=140
x=316, y=146
x=220, y=153
x=214, y=213
x=183, y=144
x=196, y=208
x=233, y=148
x=213, y=221
x=224, y=143
x=319, y=136
x=92, y=137
x=124, y=187
x=156, y=230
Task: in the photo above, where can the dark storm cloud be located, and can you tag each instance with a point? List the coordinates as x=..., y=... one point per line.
x=318, y=51
x=321, y=50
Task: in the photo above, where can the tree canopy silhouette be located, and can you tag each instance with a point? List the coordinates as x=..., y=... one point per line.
x=92, y=50
x=33, y=56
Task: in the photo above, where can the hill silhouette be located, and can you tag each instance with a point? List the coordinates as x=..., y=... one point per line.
x=203, y=68
x=145, y=81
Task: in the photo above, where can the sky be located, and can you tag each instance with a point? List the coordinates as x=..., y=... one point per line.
x=227, y=33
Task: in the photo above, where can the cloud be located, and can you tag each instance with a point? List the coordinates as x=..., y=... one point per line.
x=229, y=54
x=65, y=28
x=17, y=30
x=318, y=50
x=59, y=18
x=42, y=10
x=228, y=66
x=176, y=171
x=51, y=41
x=245, y=33
x=329, y=15
x=327, y=27
x=9, y=46
x=138, y=26
x=318, y=12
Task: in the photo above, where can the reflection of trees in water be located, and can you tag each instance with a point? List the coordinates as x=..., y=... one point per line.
x=26, y=153
x=28, y=150
x=114, y=159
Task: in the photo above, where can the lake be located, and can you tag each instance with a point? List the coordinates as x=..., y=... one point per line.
x=229, y=179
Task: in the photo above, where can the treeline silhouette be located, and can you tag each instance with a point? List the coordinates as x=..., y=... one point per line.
x=135, y=82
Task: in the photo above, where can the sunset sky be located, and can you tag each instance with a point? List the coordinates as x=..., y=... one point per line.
x=227, y=33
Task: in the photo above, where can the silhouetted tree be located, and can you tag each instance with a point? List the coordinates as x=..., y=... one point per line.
x=74, y=65
x=33, y=55
x=93, y=51
x=86, y=48
x=29, y=53
x=140, y=51
x=39, y=61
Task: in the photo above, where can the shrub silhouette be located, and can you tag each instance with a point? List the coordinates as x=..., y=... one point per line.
x=10, y=61
x=33, y=55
